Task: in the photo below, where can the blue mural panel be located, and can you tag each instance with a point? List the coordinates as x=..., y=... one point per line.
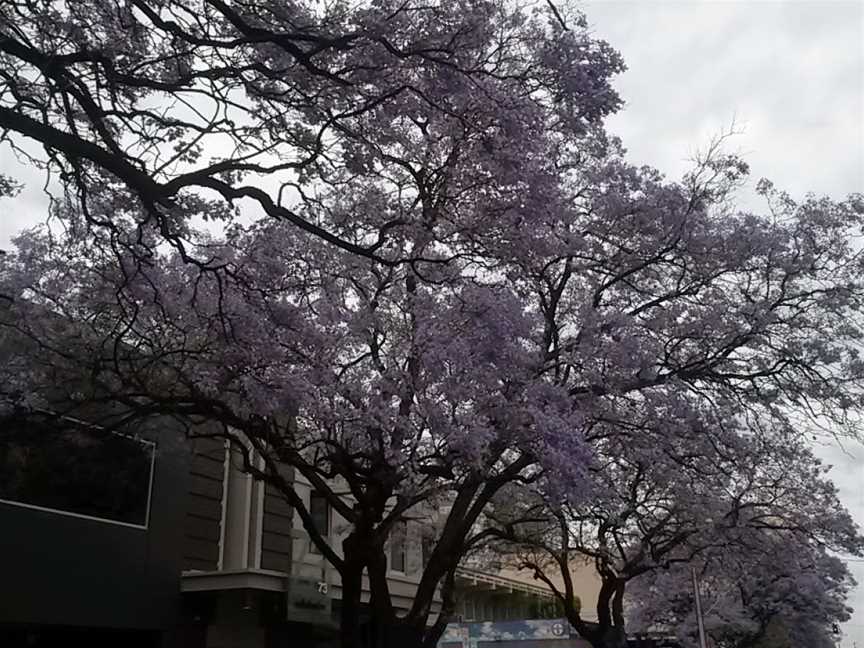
x=533, y=630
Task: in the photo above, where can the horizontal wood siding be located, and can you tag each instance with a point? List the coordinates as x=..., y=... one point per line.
x=204, y=509
x=276, y=532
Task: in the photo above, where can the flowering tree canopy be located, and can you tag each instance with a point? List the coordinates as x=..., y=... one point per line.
x=187, y=108
x=790, y=594
x=447, y=280
x=728, y=502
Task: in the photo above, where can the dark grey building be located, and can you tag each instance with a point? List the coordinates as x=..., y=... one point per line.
x=90, y=533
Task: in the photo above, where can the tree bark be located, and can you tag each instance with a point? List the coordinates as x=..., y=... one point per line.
x=399, y=634
x=349, y=619
x=383, y=616
x=610, y=631
x=448, y=608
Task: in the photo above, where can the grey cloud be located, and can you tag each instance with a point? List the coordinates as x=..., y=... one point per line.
x=792, y=73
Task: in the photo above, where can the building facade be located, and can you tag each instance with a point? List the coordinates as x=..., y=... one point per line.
x=90, y=542
x=252, y=577
x=142, y=539
x=139, y=537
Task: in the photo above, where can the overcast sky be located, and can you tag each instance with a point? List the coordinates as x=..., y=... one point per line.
x=792, y=76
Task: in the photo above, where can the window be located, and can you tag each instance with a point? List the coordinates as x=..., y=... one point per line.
x=319, y=509
x=468, y=607
x=398, y=540
x=427, y=545
x=69, y=467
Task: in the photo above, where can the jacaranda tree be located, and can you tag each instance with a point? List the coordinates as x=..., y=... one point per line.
x=787, y=594
x=432, y=274
x=186, y=108
x=752, y=509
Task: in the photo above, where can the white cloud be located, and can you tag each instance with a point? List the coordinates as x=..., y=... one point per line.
x=28, y=207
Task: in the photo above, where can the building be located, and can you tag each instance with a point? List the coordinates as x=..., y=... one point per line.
x=139, y=538
x=252, y=577
x=89, y=549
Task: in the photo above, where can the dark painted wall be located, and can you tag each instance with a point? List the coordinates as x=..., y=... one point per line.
x=276, y=540
x=203, y=521
x=56, y=569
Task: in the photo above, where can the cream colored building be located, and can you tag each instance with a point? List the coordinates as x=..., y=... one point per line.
x=253, y=578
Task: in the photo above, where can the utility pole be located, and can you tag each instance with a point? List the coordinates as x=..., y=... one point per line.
x=699, y=619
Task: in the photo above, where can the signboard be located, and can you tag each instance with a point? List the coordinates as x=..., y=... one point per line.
x=308, y=601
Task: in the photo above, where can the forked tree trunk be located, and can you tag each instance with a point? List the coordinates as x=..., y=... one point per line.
x=609, y=631
x=350, y=628
x=613, y=637
x=387, y=630
x=399, y=635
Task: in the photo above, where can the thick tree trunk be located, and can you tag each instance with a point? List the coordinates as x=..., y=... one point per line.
x=610, y=631
x=382, y=628
x=609, y=637
x=350, y=630
x=380, y=601
x=399, y=635
x=613, y=637
x=600, y=637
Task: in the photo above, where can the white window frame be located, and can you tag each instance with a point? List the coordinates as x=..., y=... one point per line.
x=94, y=518
x=391, y=563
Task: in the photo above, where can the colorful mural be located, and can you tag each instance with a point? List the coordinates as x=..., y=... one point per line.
x=555, y=633
x=536, y=633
